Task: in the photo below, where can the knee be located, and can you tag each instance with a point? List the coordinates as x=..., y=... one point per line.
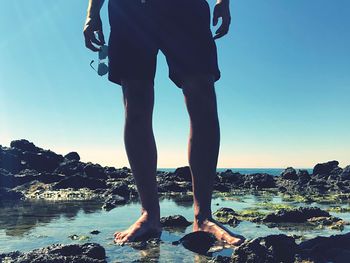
x=201, y=85
x=138, y=100
x=200, y=94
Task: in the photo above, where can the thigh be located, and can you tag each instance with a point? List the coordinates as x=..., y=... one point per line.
x=132, y=45
x=187, y=41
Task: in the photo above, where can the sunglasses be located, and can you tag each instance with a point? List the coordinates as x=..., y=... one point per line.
x=102, y=68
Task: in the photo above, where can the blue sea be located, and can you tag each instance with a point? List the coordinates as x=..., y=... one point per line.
x=272, y=171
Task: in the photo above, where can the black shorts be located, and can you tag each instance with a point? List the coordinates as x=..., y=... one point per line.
x=179, y=28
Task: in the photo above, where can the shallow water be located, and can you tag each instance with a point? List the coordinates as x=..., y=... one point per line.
x=29, y=225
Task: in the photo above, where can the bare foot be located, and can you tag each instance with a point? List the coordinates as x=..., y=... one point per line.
x=218, y=230
x=145, y=227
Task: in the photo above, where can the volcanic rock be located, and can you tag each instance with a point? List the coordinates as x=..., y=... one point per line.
x=174, y=221
x=298, y=215
x=227, y=216
x=327, y=249
x=95, y=171
x=73, y=156
x=184, y=173
x=25, y=146
x=7, y=194
x=113, y=202
x=70, y=167
x=289, y=173
x=325, y=169
x=199, y=241
x=86, y=253
x=78, y=181
x=270, y=249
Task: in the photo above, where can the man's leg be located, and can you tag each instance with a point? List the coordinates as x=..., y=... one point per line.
x=203, y=150
x=141, y=150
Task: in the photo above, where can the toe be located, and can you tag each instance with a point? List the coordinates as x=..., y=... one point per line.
x=126, y=238
x=234, y=241
x=121, y=235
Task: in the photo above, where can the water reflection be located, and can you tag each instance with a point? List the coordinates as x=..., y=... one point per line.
x=149, y=251
x=19, y=218
x=32, y=224
x=182, y=200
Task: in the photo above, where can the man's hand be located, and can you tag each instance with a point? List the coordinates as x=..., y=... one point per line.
x=222, y=9
x=93, y=24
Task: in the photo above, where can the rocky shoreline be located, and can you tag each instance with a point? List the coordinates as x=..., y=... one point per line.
x=28, y=172
x=269, y=249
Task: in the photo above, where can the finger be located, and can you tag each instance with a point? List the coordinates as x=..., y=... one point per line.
x=101, y=37
x=215, y=18
x=92, y=37
x=221, y=29
x=90, y=46
x=94, y=40
x=220, y=33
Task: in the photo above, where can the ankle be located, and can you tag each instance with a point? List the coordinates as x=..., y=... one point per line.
x=200, y=217
x=153, y=213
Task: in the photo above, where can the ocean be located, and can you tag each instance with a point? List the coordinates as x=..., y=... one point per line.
x=272, y=171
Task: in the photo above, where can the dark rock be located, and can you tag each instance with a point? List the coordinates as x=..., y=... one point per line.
x=325, y=169
x=170, y=186
x=227, y=216
x=199, y=241
x=225, y=212
x=95, y=232
x=120, y=188
x=259, y=181
x=86, y=253
x=282, y=189
x=7, y=194
x=73, y=237
x=78, y=181
x=126, y=169
x=327, y=249
x=220, y=259
x=184, y=173
x=174, y=221
x=113, y=201
x=303, y=176
x=222, y=188
x=289, y=174
x=95, y=171
x=73, y=156
x=112, y=172
x=270, y=249
x=230, y=177
x=298, y=215
x=10, y=162
x=334, y=222
x=25, y=176
x=7, y=179
x=70, y=167
x=233, y=221
x=151, y=245
x=29, y=175
x=49, y=178
x=42, y=161
x=24, y=145
x=345, y=175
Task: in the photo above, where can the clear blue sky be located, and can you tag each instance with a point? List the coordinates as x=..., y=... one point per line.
x=283, y=97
